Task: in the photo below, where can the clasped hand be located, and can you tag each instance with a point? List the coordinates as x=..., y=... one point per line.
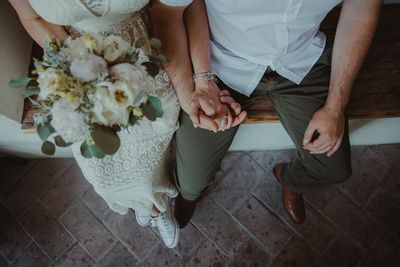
x=212, y=109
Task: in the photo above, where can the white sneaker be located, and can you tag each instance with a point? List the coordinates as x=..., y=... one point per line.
x=167, y=227
x=143, y=219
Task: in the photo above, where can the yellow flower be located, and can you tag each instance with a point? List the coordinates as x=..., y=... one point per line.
x=90, y=41
x=73, y=96
x=137, y=112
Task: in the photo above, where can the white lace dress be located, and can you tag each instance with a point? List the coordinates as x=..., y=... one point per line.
x=138, y=175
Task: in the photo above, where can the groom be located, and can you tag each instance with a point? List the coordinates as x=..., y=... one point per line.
x=273, y=48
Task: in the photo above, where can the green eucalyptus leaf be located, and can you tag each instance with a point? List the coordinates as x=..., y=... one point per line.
x=106, y=139
x=59, y=141
x=30, y=91
x=152, y=69
x=19, y=82
x=45, y=130
x=149, y=112
x=96, y=152
x=155, y=43
x=157, y=106
x=139, y=43
x=133, y=119
x=48, y=148
x=85, y=152
x=159, y=58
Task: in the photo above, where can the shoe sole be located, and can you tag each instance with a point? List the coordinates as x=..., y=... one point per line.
x=141, y=224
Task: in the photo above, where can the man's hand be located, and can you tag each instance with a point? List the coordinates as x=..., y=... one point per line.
x=330, y=126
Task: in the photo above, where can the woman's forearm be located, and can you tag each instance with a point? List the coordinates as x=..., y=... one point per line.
x=169, y=27
x=36, y=27
x=198, y=35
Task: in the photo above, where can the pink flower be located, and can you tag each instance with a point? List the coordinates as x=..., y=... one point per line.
x=128, y=73
x=88, y=67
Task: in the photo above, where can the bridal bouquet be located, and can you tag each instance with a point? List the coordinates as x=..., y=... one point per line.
x=88, y=89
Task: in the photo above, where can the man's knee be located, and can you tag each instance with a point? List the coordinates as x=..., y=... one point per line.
x=192, y=189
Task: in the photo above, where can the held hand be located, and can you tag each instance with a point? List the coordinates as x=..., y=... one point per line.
x=238, y=115
x=191, y=106
x=330, y=127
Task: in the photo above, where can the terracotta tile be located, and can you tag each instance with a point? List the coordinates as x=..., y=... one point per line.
x=268, y=159
x=208, y=255
x=269, y=191
x=95, y=203
x=230, y=159
x=117, y=256
x=385, y=209
x=46, y=231
x=368, y=171
x=70, y=186
x=33, y=256
x=352, y=220
x=13, y=239
x=392, y=182
x=32, y=184
x=76, y=256
x=391, y=151
x=316, y=229
x=3, y=262
x=296, y=253
x=264, y=225
x=320, y=197
x=162, y=256
x=237, y=183
x=190, y=240
x=137, y=239
x=386, y=252
x=218, y=225
x=11, y=173
x=90, y=232
x=342, y=252
x=252, y=253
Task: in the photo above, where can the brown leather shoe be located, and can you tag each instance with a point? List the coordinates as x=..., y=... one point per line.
x=184, y=210
x=293, y=201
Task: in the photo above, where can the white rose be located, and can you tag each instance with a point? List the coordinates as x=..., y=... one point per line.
x=114, y=47
x=67, y=122
x=128, y=73
x=111, y=102
x=88, y=67
x=74, y=48
x=52, y=81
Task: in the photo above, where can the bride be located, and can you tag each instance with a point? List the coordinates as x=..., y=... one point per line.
x=138, y=176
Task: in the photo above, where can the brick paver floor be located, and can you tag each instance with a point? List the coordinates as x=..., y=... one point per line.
x=50, y=215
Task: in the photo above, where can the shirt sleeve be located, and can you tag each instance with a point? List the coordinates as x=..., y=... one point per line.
x=176, y=2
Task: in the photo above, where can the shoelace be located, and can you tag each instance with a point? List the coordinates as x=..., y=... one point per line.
x=164, y=225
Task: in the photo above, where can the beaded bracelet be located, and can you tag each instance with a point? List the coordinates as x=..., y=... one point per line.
x=205, y=76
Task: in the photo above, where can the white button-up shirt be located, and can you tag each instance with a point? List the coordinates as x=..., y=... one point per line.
x=249, y=36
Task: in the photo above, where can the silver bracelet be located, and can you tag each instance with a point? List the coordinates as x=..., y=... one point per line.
x=205, y=76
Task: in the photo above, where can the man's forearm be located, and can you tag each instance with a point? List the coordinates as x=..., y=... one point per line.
x=354, y=35
x=168, y=23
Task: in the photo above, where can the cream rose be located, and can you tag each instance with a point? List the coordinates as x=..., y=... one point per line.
x=88, y=67
x=128, y=73
x=111, y=102
x=53, y=82
x=67, y=122
x=114, y=47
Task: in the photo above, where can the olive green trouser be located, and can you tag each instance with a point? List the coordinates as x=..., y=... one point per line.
x=199, y=152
